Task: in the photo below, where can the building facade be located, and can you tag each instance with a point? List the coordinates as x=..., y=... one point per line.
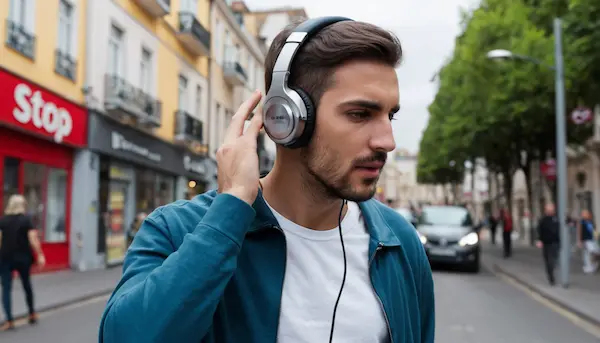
x=147, y=94
x=43, y=124
x=235, y=72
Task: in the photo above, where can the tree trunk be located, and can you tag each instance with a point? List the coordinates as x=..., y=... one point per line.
x=507, y=186
x=530, y=200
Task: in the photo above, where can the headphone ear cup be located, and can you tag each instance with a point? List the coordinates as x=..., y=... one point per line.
x=309, y=125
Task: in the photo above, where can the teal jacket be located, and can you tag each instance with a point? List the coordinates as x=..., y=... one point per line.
x=211, y=269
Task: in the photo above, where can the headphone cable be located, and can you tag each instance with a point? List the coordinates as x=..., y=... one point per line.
x=345, y=270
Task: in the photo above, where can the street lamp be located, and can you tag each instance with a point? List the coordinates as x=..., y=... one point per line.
x=561, y=141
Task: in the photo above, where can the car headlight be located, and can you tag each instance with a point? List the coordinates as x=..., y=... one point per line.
x=470, y=239
x=422, y=238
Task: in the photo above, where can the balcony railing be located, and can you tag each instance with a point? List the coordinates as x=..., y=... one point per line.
x=65, y=65
x=19, y=39
x=193, y=35
x=122, y=98
x=156, y=8
x=234, y=73
x=187, y=127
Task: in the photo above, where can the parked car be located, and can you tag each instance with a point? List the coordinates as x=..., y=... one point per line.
x=407, y=214
x=450, y=236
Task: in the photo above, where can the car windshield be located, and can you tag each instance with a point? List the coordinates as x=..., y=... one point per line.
x=445, y=215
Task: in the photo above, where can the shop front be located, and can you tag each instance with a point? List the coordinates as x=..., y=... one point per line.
x=200, y=174
x=39, y=134
x=137, y=173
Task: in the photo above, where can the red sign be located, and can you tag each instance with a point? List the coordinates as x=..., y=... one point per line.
x=30, y=107
x=548, y=169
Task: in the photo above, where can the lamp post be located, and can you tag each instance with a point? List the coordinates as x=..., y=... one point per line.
x=561, y=141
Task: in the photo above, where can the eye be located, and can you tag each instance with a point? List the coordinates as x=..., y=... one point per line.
x=359, y=114
x=392, y=115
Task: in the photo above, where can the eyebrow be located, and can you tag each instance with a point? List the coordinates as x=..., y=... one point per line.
x=372, y=105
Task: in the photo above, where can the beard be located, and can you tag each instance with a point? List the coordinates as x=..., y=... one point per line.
x=328, y=174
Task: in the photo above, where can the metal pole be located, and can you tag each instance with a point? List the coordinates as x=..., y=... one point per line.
x=561, y=157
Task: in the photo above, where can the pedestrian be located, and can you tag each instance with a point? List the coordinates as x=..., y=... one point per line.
x=587, y=241
x=548, y=232
x=507, y=228
x=304, y=254
x=493, y=226
x=18, y=240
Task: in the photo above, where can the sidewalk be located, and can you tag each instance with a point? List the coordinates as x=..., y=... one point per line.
x=61, y=288
x=526, y=266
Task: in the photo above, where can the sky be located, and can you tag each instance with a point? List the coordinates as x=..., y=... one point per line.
x=426, y=28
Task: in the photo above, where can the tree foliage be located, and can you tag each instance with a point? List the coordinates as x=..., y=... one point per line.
x=497, y=109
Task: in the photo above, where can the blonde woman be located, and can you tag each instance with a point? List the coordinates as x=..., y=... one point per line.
x=18, y=240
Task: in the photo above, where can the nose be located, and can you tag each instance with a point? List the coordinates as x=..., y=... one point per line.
x=383, y=136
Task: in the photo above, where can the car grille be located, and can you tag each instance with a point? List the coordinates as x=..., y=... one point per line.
x=441, y=241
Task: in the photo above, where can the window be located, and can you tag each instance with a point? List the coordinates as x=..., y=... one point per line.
x=446, y=216
x=115, y=50
x=227, y=43
x=56, y=205
x=65, y=27
x=11, y=180
x=182, y=102
x=198, y=109
x=45, y=189
x=189, y=6
x=146, y=71
x=152, y=190
x=18, y=12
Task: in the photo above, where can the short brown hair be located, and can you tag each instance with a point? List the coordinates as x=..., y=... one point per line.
x=330, y=48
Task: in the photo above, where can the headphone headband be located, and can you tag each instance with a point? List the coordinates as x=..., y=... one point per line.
x=301, y=34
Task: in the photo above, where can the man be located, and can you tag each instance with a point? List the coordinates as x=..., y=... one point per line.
x=548, y=232
x=507, y=229
x=303, y=254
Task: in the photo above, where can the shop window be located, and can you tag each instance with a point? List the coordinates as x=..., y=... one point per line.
x=33, y=181
x=165, y=189
x=11, y=179
x=56, y=200
x=145, y=186
x=45, y=189
x=153, y=190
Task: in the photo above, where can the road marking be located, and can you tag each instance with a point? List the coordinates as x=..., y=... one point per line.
x=44, y=314
x=588, y=326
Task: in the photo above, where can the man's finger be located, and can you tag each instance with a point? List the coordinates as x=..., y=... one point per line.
x=236, y=127
x=255, y=125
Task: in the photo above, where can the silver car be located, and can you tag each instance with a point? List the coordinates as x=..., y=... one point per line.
x=449, y=236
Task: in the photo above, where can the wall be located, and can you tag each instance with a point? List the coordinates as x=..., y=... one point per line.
x=44, y=26
x=104, y=15
x=84, y=212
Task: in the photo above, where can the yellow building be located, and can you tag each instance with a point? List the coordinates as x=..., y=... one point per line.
x=183, y=33
x=45, y=43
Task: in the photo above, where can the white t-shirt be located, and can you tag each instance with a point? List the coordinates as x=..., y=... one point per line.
x=313, y=276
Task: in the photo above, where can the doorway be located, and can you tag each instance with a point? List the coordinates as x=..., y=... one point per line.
x=116, y=242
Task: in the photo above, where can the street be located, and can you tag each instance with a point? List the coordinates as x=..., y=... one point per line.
x=470, y=308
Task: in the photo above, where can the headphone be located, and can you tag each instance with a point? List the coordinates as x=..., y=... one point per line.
x=289, y=113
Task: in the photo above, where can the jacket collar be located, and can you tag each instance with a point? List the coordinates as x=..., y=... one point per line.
x=377, y=226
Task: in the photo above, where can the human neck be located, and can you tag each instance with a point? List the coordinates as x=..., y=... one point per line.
x=290, y=195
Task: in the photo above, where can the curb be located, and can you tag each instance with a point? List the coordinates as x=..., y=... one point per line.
x=560, y=303
x=71, y=301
